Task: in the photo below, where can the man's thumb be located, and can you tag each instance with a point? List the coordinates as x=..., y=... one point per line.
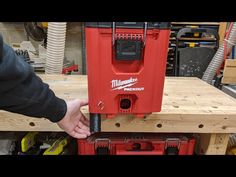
x=83, y=102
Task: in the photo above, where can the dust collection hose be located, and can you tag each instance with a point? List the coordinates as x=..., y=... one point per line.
x=219, y=56
x=95, y=123
x=55, y=47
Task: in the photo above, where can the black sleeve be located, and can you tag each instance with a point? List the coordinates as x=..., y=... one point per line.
x=21, y=91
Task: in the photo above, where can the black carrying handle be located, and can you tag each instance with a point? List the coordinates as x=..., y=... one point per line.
x=114, y=31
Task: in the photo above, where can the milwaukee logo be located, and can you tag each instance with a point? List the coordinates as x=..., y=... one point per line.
x=120, y=84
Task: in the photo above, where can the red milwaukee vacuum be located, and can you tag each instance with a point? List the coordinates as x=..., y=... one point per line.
x=126, y=63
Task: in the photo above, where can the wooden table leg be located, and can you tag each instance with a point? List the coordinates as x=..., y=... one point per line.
x=214, y=143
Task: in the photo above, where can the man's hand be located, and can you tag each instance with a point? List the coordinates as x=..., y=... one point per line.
x=75, y=123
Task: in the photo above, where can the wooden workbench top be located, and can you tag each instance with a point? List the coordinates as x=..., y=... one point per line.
x=189, y=105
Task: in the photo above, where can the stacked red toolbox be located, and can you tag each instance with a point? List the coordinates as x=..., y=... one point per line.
x=126, y=64
x=137, y=144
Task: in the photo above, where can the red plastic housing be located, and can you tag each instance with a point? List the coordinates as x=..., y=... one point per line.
x=134, y=144
x=125, y=86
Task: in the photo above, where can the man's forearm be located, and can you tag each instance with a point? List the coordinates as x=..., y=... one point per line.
x=21, y=91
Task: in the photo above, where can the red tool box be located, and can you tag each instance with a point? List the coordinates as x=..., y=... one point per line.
x=137, y=144
x=126, y=67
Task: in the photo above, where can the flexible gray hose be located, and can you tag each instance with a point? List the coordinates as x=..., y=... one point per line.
x=55, y=47
x=219, y=57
